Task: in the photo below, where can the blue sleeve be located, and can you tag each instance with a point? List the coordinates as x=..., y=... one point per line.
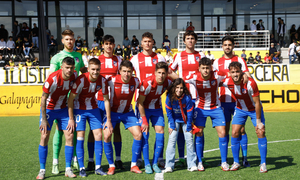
x=190, y=113
x=169, y=111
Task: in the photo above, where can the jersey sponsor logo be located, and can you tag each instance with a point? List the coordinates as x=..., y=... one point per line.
x=154, y=61
x=98, y=87
x=115, y=63
x=76, y=59
x=213, y=82
x=244, y=91
x=132, y=88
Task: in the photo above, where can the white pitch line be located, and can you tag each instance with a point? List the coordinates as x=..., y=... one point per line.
x=160, y=176
x=254, y=144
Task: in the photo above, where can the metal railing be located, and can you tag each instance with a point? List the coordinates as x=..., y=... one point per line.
x=212, y=40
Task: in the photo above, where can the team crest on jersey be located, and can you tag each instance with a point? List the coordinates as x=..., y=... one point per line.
x=197, y=58
x=244, y=91
x=154, y=61
x=71, y=83
x=213, y=83
x=74, y=86
x=132, y=88
x=76, y=59
x=115, y=63
x=98, y=88
x=142, y=89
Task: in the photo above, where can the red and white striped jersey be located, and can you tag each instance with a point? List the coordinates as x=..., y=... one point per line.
x=109, y=67
x=121, y=93
x=243, y=93
x=152, y=91
x=207, y=91
x=221, y=65
x=187, y=64
x=144, y=66
x=58, y=89
x=86, y=91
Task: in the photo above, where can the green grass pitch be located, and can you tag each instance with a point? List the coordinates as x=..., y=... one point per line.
x=20, y=138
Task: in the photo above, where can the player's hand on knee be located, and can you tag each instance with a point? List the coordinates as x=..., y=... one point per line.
x=145, y=128
x=43, y=126
x=260, y=126
x=109, y=127
x=171, y=130
x=71, y=126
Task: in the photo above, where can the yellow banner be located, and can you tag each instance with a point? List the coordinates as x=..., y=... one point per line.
x=20, y=100
x=280, y=97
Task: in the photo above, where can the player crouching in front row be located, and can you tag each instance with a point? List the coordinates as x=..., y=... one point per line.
x=248, y=104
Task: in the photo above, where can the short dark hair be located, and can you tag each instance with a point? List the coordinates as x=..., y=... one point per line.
x=190, y=33
x=228, y=38
x=94, y=61
x=148, y=35
x=205, y=61
x=161, y=65
x=254, y=21
x=67, y=32
x=68, y=61
x=127, y=64
x=109, y=38
x=235, y=64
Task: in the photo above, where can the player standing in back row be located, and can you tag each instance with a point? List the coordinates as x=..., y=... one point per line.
x=144, y=66
x=227, y=98
x=187, y=63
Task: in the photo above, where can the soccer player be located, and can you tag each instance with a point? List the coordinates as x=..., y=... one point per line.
x=150, y=108
x=110, y=66
x=208, y=104
x=53, y=106
x=227, y=98
x=144, y=66
x=82, y=100
x=187, y=63
x=122, y=88
x=55, y=63
x=247, y=104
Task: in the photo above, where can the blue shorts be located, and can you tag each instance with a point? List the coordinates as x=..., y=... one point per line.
x=240, y=117
x=101, y=107
x=61, y=115
x=156, y=116
x=93, y=116
x=128, y=119
x=228, y=109
x=216, y=116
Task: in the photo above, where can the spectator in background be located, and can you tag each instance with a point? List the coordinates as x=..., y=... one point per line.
x=119, y=51
x=268, y=59
x=19, y=46
x=293, y=31
x=48, y=34
x=127, y=53
x=99, y=33
x=16, y=30
x=281, y=30
x=35, y=35
x=260, y=26
x=52, y=46
x=126, y=42
x=85, y=59
x=166, y=43
x=169, y=58
x=28, y=63
x=135, y=42
x=292, y=52
x=134, y=51
x=27, y=45
x=210, y=56
x=11, y=45
x=273, y=50
x=298, y=51
x=3, y=49
x=296, y=38
x=243, y=55
x=92, y=55
x=254, y=34
x=276, y=59
x=250, y=59
x=3, y=33
x=25, y=31
x=85, y=45
x=154, y=48
x=258, y=57
x=78, y=43
x=95, y=45
x=191, y=27
x=273, y=40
